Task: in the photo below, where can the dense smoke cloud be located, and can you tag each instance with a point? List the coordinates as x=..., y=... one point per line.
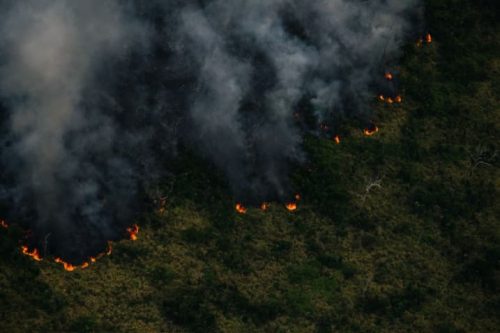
x=94, y=92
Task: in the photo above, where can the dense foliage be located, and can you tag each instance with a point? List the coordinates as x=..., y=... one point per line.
x=418, y=251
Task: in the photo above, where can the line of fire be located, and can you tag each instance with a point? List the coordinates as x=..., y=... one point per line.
x=291, y=206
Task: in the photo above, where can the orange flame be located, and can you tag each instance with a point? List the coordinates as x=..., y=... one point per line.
x=110, y=247
x=133, y=231
x=291, y=206
x=428, y=38
x=370, y=131
x=35, y=255
x=67, y=266
x=240, y=208
x=336, y=138
x=264, y=206
x=398, y=99
x=388, y=76
x=381, y=97
x=3, y=224
x=389, y=100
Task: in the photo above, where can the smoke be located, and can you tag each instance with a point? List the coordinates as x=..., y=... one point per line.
x=97, y=95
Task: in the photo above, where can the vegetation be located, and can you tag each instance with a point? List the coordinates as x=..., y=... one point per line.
x=418, y=251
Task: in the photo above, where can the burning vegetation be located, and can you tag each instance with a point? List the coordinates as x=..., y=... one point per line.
x=240, y=208
x=370, y=131
x=133, y=231
x=35, y=253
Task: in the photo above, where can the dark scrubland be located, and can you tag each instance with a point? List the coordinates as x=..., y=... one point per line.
x=418, y=251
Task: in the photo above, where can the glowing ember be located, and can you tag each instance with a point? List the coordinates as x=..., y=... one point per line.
x=84, y=265
x=240, y=208
x=388, y=76
x=381, y=97
x=3, y=224
x=398, y=99
x=336, y=138
x=291, y=206
x=370, y=131
x=428, y=38
x=298, y=197
x=35, y=255
x=133, y=231
x=264, y=206
x=389, y=100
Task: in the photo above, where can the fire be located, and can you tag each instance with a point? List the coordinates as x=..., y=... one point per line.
x=110, y=248
x=336, y=138
x=370, y=131
x=381, y=97
x=388, y=76
x=389, y=100
x=428, y=38
x=291, y=206
x=67, y=266
x=240, y=208
x=398, y=99
x=133, y=231
x=3, y=224
x=298, y=197
x=33, y=254
x=264, y=206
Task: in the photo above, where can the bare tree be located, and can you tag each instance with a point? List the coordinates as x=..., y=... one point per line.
x=481, y=156
x=372, y=183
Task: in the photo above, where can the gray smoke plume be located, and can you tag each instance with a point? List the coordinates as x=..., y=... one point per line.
x=94, y=92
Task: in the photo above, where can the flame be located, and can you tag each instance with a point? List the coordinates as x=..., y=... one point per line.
x=3, y=224
x=291, y=206
x=35, y=255
x=428, y=38
x=84, y=265
x=370, y=131
x=110, y=247
x=388, y=76
x=398, y=99
x=67, y=266
x=264, y=206
x=240, y=208
x=133, y=231
x=381, y=97
x=298, y=197
x=336, y=138
x=389, y=100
